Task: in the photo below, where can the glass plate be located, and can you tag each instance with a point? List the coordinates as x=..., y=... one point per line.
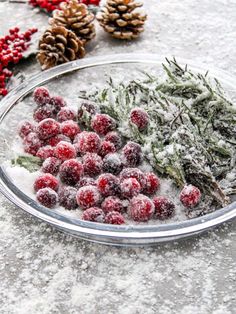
x=68, y=80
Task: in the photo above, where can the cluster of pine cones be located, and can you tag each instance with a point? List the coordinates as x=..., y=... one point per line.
x=72, y=27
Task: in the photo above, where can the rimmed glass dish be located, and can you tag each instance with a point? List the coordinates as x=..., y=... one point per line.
x=68, y=80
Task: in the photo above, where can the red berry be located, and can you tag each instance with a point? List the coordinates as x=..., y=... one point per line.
x=86, y=181
x=51, y=165
x=3, y=91
x=65, y=150
x=134, y=173
x=107, y=148
x=41, y=96
x=32, y=143
x=92, y=164
x=112, y=163
x=45, y=152
x=132, y=154
x=71, y=171
x=48, y=128
x=70, y=128
x=140, y=118
x=87, y=109
x=114, y=218
x=24, y=128
x=141, y=208
x=57, y=102
x=42, y=113
x=164, y=208
x=47, y=197
x=152, y=183
x=112, y=203
x=108, y=184
x=102, y=123
x=46, y=181
x=190, y=196
x=53, y=141
x=94, y=214
x=66, y=114
x=88, y=196
x=130, y=188
x=114, y=138
x=88, y=142
x=67, y=197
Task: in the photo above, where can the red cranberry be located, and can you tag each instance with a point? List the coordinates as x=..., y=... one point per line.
x=164, y=208
x=134, y=173
x=70, y=128
x=53, y=141
x=46, y=181
x=190, y=196
x=65, y=150
x=152, y=183
x=67, y=197
x=86, y=109
x=114, y=138
x=51, y=165
x=24, y=128
x=114, y=218
x=112, y=203
x=32, y=143
x=92, y=164
x=112, y=163
x=57, y=102
x=88, y=142
x=41, y=96
x=107, y=148
x=141, y=208
x=93, y=214
x=140, y=118
x=48, y=128
x=47, y=197
x=108, y=184
x=42, y=113
x=45, y=152
x=102, y=124
x=132, y=154
x=86, y=181
x=66, y=114
x=71, y=171
x=130, y=188
x=88, y=196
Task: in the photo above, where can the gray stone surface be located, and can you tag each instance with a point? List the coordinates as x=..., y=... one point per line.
x=44, y=271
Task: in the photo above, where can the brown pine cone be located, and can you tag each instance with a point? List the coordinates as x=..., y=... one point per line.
x=121, y=20
x=59, y=45
x=76, y=17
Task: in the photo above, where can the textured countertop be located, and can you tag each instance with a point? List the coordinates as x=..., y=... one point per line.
x=44, y=271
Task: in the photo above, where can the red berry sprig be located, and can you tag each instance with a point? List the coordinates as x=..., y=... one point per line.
x=12, y=47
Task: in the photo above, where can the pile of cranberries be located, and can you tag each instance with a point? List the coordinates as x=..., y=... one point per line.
x=93, y=169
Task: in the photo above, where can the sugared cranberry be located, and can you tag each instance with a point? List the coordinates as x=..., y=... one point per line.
x=141, y=208
x=112, y=203
x=47, y=197
x=114, y=138
x=140, y=118
x=86, y=109
x=45, y=152
x=164, y=208
x=132, y=154
x=66, y=114
x=57, y=102
x=133, y=173
x=65, y=150
x=86, y=181
x=51, y=165
x=46, y=181
x=24, y=128
x=130, y=188
x=102, y=124
x=190, y=196
x=93, y=214
x=42, y=113
x=67, y=197
x=92, y=164
x=41, y=96
x=112, y=163
x=53, y=141
x=32, y=143
x=152, y=183
x=70, y=128
x=71, y=171
x=48, y=128
x=108, y=184
x=114, y=218
x=88, y=142
x=88, y=196
x=107, y=148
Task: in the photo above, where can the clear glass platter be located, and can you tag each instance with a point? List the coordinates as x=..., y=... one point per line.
x=67, y=80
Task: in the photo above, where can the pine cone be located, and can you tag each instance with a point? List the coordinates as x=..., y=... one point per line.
x=121, y=20
x=76, y=17
x=59, y=45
